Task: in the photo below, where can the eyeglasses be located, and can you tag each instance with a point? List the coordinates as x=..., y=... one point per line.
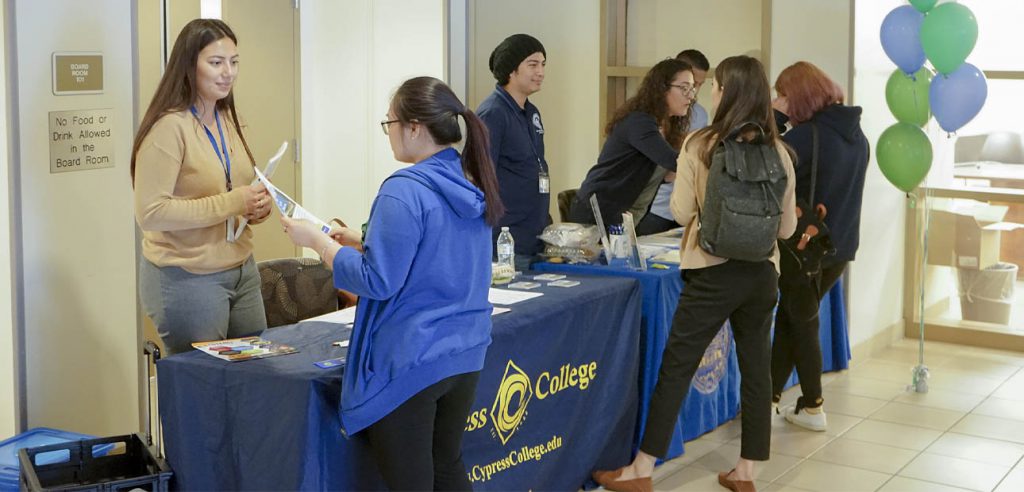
x=384, y=124
x=687, y=89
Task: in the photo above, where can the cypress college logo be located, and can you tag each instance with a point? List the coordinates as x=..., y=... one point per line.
x=509, y=407
x=508, y=412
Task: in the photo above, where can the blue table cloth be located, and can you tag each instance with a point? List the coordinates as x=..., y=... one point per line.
x=557, y=399
x=714, y=394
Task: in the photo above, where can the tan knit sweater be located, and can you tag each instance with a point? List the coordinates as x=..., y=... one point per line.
x=688, y=198
x=181, y=198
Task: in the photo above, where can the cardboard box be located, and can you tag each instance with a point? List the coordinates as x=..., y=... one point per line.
x=966, y=233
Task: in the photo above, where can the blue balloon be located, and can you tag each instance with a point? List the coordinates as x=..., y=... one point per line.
x=901, y=38
x=958, y=97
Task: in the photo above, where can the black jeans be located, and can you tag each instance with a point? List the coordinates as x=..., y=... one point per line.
x=743, y=293
x=797, y=341
x=418, y=446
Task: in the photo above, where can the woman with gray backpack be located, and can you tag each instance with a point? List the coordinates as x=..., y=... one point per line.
x=734, y=192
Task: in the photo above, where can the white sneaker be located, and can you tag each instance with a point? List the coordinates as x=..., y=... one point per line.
x=810, y=421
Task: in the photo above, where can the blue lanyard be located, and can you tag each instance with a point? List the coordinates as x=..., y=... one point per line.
x=529, y=136
x=222, y=151
x=524, y=118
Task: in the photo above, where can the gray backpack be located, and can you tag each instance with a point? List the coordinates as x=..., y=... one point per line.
x=743, y=199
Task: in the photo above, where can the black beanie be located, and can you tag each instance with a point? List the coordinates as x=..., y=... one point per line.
x=506, y=58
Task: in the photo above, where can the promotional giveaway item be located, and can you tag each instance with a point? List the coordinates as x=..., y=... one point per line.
x=238, y=349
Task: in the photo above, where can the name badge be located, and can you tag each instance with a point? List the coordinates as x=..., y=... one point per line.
x=544, y=183
x=231, y=229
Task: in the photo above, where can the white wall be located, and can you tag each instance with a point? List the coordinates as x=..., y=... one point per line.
x=658, y=29
x=354, y=54
x=568, y=100
x=876, y=278
x=78, y=231
x=8, y=372
x=824, y=42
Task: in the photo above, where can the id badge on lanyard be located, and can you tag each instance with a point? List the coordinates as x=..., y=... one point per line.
x=544, y=182
x=225, y=160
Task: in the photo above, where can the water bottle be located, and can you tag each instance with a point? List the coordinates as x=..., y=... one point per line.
x=506, y=248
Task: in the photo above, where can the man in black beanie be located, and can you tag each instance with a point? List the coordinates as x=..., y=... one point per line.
x=517, y=142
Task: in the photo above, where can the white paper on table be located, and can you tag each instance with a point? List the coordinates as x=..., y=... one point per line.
x=506, y=297
x=289, y=207
x=648, y=251
x=670, y=256
x=663, y=241
x=268, y=172
x=345, y=316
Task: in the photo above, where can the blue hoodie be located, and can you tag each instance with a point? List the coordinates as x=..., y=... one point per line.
x=422, y=281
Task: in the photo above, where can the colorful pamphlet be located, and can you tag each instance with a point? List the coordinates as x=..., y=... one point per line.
x=247, y=348
x=288, y=206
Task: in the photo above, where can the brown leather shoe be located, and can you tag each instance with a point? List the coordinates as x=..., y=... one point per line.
x=607, y=479
x=735, y=485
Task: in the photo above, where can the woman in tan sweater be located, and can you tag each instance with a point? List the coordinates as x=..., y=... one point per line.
x=718, y=289
x=196, y=281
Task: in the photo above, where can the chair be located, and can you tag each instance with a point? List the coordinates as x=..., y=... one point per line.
x=565, y=199
x=295, y=289
x=1005, y=147
x=967, y=148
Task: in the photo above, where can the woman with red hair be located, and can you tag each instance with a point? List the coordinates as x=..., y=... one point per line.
x=809, y=103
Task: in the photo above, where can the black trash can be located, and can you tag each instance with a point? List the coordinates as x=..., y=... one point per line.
x=987, y=295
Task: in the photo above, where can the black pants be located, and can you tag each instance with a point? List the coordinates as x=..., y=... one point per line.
x=418, y=446
x=797, y=341
x=653, y=224
x=743, y=293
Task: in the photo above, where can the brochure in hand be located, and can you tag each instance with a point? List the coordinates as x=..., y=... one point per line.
x=247, y=348
x=268, y=172
x=289, y=207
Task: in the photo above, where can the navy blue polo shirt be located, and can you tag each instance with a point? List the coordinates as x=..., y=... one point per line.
x=517, y=149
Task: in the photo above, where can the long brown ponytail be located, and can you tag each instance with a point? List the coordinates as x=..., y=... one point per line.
x=432, y=103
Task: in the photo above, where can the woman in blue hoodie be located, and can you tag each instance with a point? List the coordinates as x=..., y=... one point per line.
x=809, y=99
x=423, y=322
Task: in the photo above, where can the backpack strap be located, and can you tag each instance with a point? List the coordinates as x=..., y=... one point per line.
x=740, y=127
x=814, y=161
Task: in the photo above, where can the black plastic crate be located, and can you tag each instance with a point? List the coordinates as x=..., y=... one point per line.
x=134, y=468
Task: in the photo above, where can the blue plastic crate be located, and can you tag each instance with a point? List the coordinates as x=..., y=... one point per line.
x=10, y=470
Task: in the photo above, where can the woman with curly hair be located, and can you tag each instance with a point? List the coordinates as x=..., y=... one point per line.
x=643, y=138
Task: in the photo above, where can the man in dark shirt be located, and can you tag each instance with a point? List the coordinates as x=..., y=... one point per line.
x=517, y=142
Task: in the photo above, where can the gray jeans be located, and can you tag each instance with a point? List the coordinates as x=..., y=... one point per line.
x=188, y=307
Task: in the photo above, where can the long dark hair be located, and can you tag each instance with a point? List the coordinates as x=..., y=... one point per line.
x=431, y=103
x=177, y=89
x=650, y=99
x=746, y=97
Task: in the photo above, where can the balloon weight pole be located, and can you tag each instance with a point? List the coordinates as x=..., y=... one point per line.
x=921, y=373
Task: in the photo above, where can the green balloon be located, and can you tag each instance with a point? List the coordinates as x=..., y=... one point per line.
x=948, y=35
x=923, y=5
x=907, y=96
x=904, y=155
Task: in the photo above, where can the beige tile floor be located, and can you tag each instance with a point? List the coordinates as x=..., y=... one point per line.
x=966, y=433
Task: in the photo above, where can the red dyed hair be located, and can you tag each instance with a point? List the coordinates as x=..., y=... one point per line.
x=808, y=90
